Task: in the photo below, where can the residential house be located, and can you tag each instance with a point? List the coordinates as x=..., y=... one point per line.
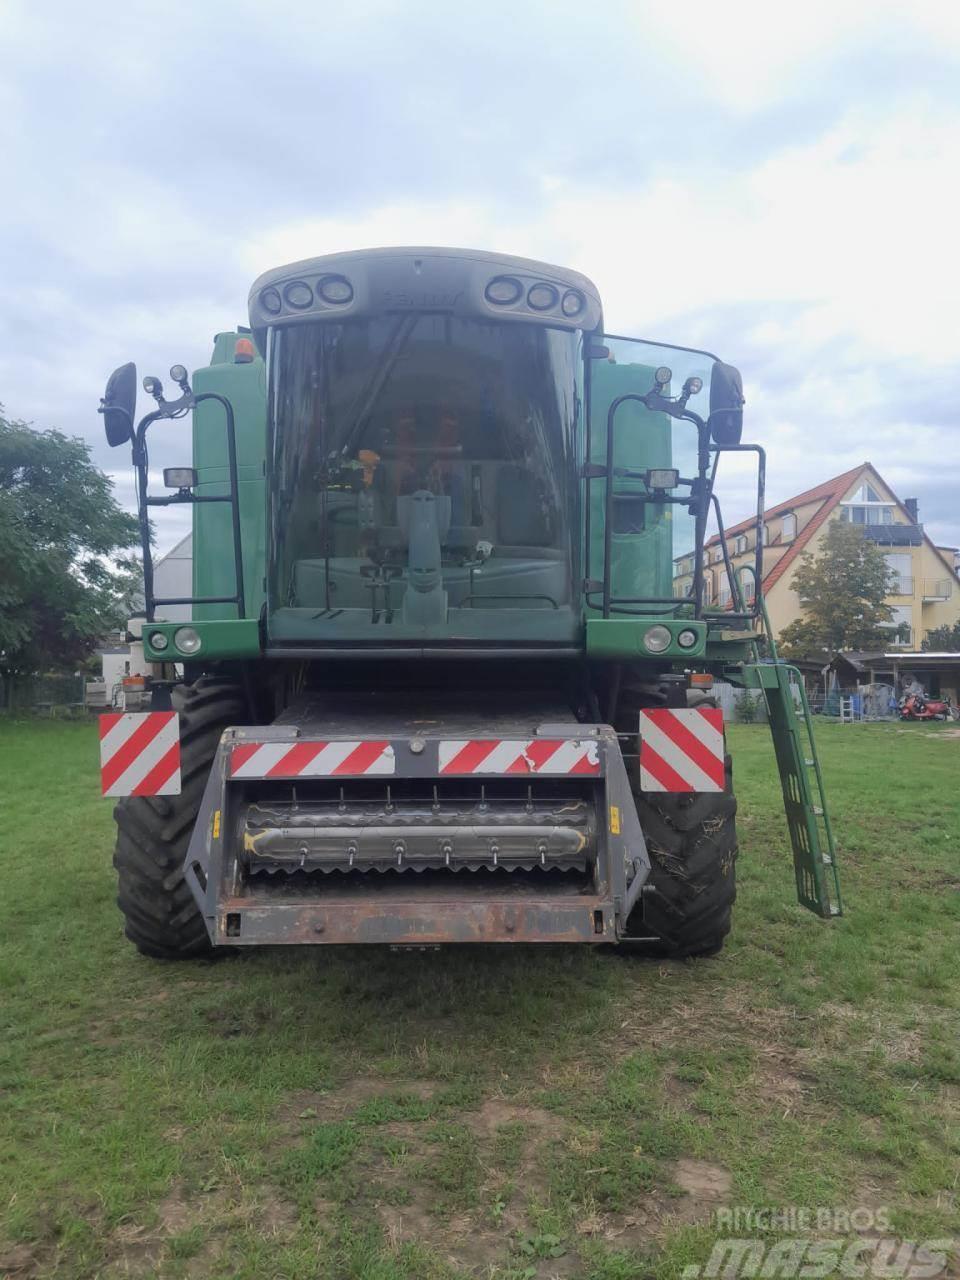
x=926, y=590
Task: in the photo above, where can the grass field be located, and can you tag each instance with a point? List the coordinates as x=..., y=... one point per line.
x=496, y=1113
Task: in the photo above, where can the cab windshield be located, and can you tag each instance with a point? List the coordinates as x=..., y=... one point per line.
x=422, y=481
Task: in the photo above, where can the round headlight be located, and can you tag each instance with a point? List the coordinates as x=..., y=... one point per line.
x=270, y=301
x=299, y=294
x=178, y=372
x=662, y=376
x=572, y=303
x=542, y=297
x=187, y=640
x=335, y=289
x=158, y=640
x=656, y=639
x=503, y=290
x=694, y=386
x=687, y=639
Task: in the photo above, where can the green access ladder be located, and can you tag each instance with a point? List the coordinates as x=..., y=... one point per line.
x=804, y=799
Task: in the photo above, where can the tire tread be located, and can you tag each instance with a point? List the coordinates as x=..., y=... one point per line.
x=161, y=917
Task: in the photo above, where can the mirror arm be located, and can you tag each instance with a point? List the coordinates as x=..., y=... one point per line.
x=695, y=418
x=115, y=408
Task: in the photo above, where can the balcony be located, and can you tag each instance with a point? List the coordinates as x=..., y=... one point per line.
x=935, y=589
x=901, y=586
x=894, y=535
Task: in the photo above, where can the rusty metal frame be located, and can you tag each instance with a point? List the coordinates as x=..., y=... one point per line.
x=406, y=915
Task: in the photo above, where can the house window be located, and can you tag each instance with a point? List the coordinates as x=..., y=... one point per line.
x=766, y=535
x=708, y=588
x=879, y=514
x=789, y=527
x=902, y=622
x=902, y=566
x=718, y=555
x=866, y=493
x=723, y=595
x=867, y=506
x=741, y=544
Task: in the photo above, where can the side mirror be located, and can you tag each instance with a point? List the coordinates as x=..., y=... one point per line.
x=726, y=404
x=119, y=404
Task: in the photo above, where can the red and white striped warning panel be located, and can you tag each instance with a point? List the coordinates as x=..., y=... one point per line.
x=535, y=755
x=310, y=759
x=140, y=753
x=681, y=750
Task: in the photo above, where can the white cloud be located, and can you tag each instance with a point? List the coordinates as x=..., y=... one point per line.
x=856, y=226
x=815, y=248
x=751, y=53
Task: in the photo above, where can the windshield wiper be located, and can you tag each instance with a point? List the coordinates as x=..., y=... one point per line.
x=370, y=393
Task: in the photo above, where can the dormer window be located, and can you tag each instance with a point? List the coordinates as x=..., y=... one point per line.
x=866, y=493
x=789, y=527
x=867, y=506
x=740, y=545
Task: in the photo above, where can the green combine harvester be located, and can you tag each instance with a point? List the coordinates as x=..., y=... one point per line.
x=447, y=675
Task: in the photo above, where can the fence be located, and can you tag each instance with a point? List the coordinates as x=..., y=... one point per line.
x=40, y=694
x=740, y=706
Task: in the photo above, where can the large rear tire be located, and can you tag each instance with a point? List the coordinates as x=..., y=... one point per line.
x=692, y=841
x=160, y=914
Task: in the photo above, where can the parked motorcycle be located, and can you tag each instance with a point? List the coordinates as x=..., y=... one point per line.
x=916, y=706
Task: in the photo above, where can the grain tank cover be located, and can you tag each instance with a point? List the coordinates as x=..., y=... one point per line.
x=462, y=282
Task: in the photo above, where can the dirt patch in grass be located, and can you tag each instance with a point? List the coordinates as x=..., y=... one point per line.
x=461, y=1241
x=19, y=1261
x=196, y=1227
x=704, y=1184
x=496, y=1113
x=705, y=1188
x=776, y=1085
x=509, y=1139
x=338, y=1102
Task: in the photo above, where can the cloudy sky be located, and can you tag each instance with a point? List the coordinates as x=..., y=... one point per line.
x=776, y=183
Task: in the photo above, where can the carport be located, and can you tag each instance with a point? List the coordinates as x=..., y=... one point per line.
x=937, y=673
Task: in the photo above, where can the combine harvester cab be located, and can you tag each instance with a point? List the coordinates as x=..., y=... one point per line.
x=447, y=672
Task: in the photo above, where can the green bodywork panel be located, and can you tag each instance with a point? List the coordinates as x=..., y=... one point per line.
x=244, y=385
x=238, y=638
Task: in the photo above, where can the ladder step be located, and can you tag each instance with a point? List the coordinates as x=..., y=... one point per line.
x=809, y=763
x=817, y=809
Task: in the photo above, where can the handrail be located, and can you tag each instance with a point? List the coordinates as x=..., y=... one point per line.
x=140, y=463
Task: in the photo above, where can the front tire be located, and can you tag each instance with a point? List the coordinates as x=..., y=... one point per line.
x=687, y=902
x=161, y=917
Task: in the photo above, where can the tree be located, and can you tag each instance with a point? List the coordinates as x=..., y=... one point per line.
x=842, y=593
x=64, y=578
x=943, y=639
